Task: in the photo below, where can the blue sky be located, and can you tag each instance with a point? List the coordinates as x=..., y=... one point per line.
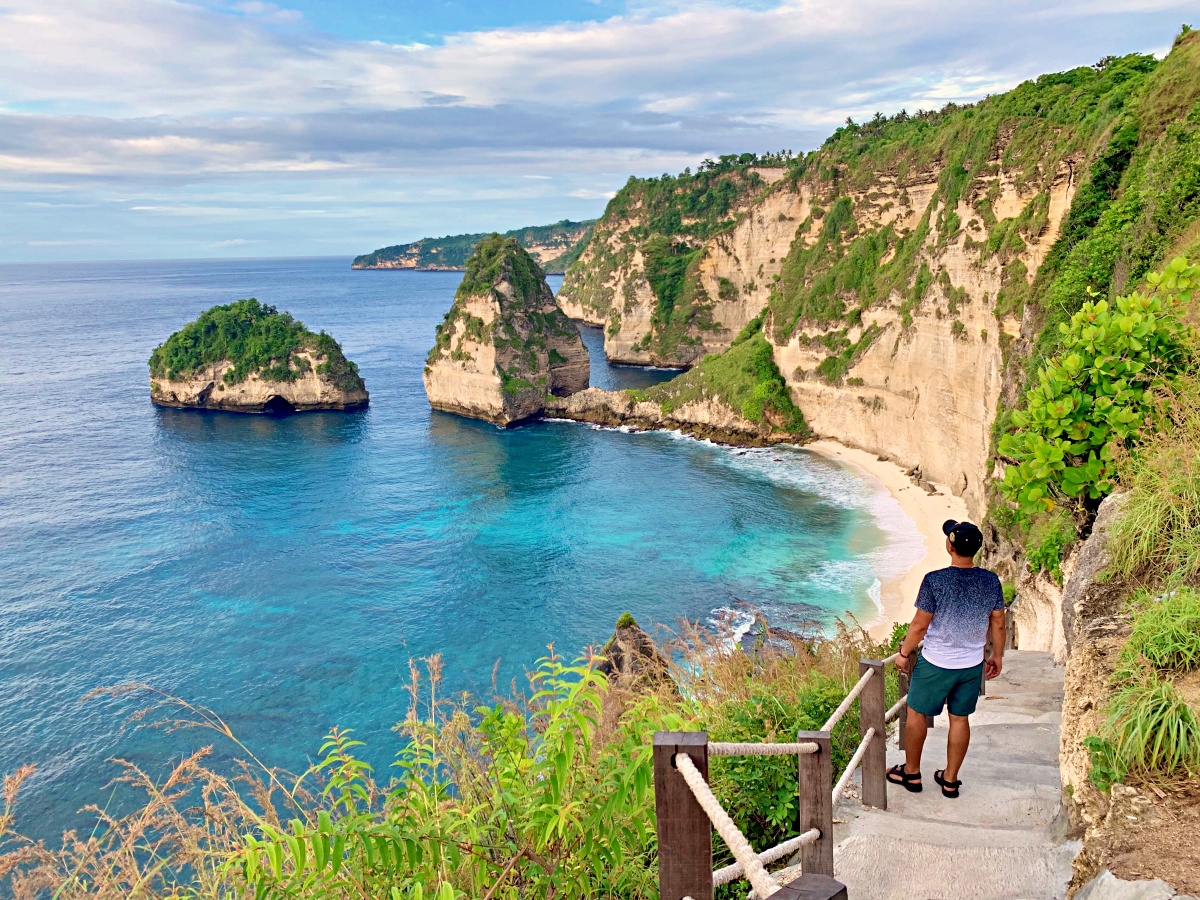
x=135, y=129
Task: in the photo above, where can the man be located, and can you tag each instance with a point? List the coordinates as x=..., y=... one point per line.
x=954, y=608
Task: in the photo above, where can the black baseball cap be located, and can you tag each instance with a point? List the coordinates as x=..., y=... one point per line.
x=965, y=538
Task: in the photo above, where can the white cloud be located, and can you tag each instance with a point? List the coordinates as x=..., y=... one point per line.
x=151, y=97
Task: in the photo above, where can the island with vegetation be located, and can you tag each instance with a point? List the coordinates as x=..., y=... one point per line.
x=554, y=247
x=504, y=347
x=249, y=357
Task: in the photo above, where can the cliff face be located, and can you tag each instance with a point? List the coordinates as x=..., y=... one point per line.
x=907, y=271
x=677, y=267
x=504, y=346
x=208, y=389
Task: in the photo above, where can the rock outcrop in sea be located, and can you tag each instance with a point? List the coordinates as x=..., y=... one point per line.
x=505, y=346
x=248, y=357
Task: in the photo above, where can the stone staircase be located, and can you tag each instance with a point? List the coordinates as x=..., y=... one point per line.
x=1003, y=838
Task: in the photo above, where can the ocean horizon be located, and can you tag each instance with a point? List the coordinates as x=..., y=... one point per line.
x=283, y=572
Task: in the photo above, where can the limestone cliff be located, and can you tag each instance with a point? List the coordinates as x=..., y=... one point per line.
x=249, y=357
x=504, y=347
x=908, y=270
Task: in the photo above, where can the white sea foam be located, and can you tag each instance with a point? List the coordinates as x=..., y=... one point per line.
x=738, y=621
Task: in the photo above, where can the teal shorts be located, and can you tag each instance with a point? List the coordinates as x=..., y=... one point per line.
x=933, y=687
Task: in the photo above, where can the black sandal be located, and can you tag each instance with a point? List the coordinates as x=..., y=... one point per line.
x=949, y=788
x=906, y=781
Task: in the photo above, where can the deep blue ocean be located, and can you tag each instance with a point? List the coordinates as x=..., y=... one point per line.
x=283, y=571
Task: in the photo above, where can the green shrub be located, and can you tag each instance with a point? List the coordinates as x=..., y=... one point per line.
x=1046, y=546
x=1097, y=395
x=899, y=633
x=1166, y=633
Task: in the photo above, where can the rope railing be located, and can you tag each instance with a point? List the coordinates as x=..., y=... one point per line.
x=846, y=704
x=852, y=766
x=776, y=853
x=731, y=749
x=763, y=884
x=688, y=812
x=895, y=710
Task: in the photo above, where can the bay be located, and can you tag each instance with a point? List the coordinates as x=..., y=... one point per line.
x=284, y=571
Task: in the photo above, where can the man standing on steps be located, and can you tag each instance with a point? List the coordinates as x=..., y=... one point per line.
x=955, y=607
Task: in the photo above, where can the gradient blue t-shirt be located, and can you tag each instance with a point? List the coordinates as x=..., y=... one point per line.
x=962, y=602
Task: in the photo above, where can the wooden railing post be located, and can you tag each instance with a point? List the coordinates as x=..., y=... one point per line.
x=872, y=707
x=816, y=803
x=902, y=718
x=684, y=833
x=811, y=887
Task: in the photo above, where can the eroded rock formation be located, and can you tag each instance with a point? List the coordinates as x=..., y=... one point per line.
x=504, y=347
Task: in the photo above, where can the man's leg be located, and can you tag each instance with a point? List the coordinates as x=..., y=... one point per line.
x=956, y=744
x=915, y=730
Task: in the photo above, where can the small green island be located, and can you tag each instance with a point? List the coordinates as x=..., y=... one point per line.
x=249, y=357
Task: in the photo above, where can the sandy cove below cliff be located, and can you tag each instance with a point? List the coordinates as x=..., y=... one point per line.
x=715, y=421
x=926, y=511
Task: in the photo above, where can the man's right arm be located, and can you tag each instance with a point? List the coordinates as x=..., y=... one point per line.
x=994, y=664
x=916, y=634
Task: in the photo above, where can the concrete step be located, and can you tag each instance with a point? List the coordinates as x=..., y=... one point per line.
x=1003, y=838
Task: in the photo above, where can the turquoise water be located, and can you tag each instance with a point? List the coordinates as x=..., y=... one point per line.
x=284, y=571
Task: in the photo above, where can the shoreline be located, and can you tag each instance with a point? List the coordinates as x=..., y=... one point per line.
x=927, y=512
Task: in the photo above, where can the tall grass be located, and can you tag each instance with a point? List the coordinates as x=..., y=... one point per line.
x=1167, y=633
x=545, y=793
x=1157, y=537
x=1152, y=728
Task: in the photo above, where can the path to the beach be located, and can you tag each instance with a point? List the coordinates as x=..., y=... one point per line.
x=1003, y=838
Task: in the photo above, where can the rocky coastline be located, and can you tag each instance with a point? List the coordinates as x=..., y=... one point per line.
x=209, y=389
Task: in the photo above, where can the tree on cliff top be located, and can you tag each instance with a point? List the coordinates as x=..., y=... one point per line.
x=255, y=338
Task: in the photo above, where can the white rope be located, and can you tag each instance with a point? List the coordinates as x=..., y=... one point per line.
x=733, y=872
x=763, y=883
x=895, y=710
x=850, y=698
x=891, y=659
x=783, y=876
x=730, y=749
x=852, y=765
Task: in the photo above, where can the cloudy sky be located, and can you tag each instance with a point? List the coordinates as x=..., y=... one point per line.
x=135, y=129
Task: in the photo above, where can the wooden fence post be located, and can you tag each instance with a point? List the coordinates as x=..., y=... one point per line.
x=816, y=803
x=811, y=887
x=872, y=707
x=902, y=718
x=684, y=833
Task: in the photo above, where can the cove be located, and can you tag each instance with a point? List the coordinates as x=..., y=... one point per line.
x=282, y=571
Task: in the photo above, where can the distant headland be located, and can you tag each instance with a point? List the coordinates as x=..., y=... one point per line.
x=554, y=247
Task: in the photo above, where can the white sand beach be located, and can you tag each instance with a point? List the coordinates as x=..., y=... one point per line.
x=927, y=512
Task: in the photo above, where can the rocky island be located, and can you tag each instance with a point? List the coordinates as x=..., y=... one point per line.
x=248, y=357
x=504, y=346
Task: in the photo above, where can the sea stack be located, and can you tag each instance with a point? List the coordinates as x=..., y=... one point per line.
x=249, y=357
x=504, y=346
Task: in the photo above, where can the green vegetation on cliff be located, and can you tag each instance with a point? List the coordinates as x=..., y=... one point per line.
x=668, y=219
x=1039, y=125
x=744, y=377
x=564, y=239
x=256, y=339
